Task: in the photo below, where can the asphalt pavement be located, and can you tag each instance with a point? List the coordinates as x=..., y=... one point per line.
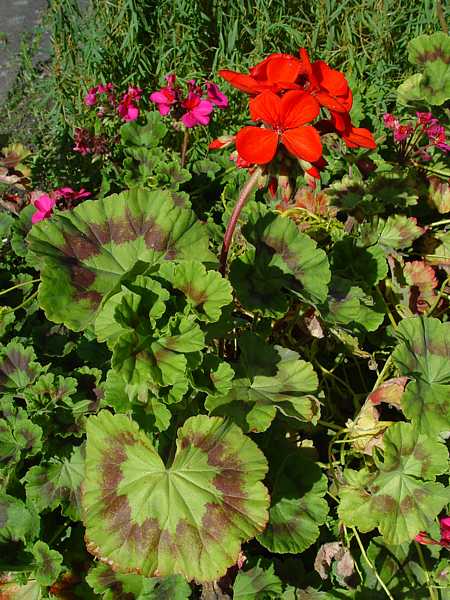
x=17, y=17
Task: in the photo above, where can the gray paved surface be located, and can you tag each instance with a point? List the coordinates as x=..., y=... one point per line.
x=16, y=18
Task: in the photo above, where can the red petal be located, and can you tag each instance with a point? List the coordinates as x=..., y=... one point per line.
x=306, y=63
x=331, y=102
x=303, y=142
x=341, y=122
x=259, y=72
x=284, y=69
x=242, y=82
x=298, y=108
x=256, y=145
x=266, y=107
x=331, y=80
x=359, y=138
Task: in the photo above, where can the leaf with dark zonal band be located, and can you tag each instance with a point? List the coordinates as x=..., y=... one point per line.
x=394, y=233
x=206, y=291
x=85, y=252
x=298, y=506
x=47, y=563
x=402, y=498
x=268, y=378
x=257, y=584
x=424, y=356
x=188, y=518
x=58, y=483
x=120, y=586
x=18, y=522
x=159, y=360
x=278, y=243
x=17, y=367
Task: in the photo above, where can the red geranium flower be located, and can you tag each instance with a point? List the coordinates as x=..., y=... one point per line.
x=327, y=85
x=277, y=72
x=284, y=119
x=354, y=137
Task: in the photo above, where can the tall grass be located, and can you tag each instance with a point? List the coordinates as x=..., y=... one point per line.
x=139, y=41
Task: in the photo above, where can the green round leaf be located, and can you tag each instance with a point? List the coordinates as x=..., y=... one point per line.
x=257, y=584
x=278, y=243
x=17, y=367
x=206, y=291
x=18, y=522
x=423, y=354
x=268, y=378
x=121, y=586
x=47, y=563
x=298, y=507
x=187, y=518
x=85, y=252
x=402, y=498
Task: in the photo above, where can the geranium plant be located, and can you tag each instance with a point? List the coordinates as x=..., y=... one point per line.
x=244, y=402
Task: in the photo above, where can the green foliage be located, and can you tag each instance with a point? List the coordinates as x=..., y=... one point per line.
x=402, y=497
x=215, y=477
x=432, y=85
x=276, y=427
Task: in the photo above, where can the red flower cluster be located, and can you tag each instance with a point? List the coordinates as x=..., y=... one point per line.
x=287, y=93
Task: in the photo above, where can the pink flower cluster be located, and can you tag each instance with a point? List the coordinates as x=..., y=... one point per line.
x=88, y=143
x=64, y=197
x=426, y=129
x=103, y=95
x=92, y=97
x=192, y=109
x=444, y=523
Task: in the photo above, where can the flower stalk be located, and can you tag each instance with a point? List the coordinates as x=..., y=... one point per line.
x=228, y=238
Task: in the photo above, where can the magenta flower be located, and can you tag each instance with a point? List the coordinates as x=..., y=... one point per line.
x=402, y=132
x=216, y=96
x=444, y=523
x=44, y=205
x=425, y=118
x=91, y=97
x=69, y=194
x=436, y=136
x=164, y=99
x=197, y=111
x=127, y=108
x=390, y=121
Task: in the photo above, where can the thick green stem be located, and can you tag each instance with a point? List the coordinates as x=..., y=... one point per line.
x=228, y=237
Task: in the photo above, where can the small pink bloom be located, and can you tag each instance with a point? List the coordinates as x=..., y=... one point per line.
x=103, y=89
x=425, y=118
x=82, y=139
x=69, y=194
x=44, y=205
x=197, y=111
x=164, y=99
x=216, y=96
x=436, y=136
x=445, y=530
x=171, y=78
x=390, y=121
x=127, y=109
x=402, y=132
x=91, y=97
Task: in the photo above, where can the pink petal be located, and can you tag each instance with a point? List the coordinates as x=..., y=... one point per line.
x=44, y=203
x=189, y=119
